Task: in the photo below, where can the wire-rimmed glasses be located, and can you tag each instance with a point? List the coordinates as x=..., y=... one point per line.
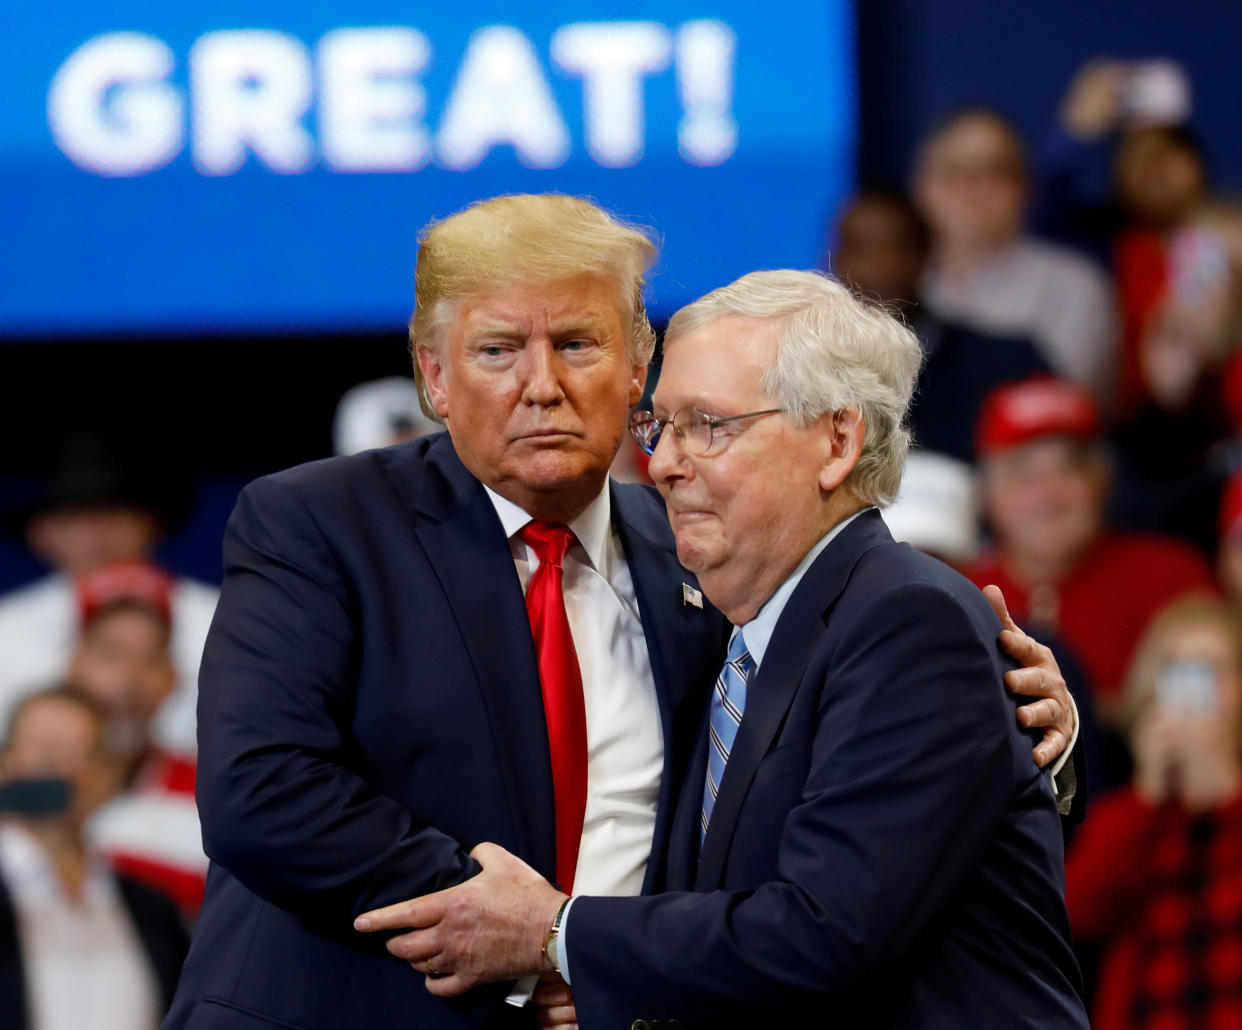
x=692, y=427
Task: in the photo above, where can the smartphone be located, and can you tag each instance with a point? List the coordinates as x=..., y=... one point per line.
x=1198, y=265
x=1155, y=93
x=1187, y=686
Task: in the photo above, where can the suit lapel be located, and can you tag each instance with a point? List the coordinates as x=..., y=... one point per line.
x=771, y=692
x=684, y=643
x=466, y=546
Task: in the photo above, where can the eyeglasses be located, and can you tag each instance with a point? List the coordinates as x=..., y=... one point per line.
x=694, y=428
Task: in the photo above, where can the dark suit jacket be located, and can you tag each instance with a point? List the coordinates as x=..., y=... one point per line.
x=370, y=710
x=883, y=851
x=156, y=919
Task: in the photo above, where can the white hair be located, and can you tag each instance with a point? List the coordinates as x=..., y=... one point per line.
x=834, y=351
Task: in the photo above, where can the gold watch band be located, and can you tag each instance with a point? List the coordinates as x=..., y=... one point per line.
x=551, y=943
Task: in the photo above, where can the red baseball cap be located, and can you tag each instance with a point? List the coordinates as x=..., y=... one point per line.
x=138, y=583
x=1018, y=413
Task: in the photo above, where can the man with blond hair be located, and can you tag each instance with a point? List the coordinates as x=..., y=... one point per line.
x=469, y=637
x=863, y=839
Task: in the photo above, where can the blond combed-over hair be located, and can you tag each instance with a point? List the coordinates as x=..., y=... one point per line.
x=835, y=351
x=527, y=239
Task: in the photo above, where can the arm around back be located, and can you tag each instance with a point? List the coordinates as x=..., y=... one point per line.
x=910, y=769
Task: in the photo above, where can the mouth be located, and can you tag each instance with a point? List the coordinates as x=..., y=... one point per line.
x=544, y=436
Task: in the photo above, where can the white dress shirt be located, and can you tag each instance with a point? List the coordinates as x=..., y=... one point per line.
x=625, y=740
x=83, y=962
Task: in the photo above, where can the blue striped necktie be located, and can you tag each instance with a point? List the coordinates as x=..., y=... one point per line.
x=728, y=704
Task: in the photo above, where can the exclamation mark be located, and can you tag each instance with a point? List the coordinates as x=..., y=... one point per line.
x=707, y=134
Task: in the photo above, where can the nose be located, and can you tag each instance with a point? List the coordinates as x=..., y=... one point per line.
x=668, y=460
x=540, y=371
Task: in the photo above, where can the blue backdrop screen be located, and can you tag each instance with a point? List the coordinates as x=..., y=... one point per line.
x=266, y=166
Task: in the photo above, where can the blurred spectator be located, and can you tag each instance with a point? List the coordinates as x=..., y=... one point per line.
x=937, y=509
x=1153, y=877
x=881, y=252
x=80, y=948
x=378, y=414
x=97, y=511
x=1127, y=212
x=971, y=185
x=1229, y=556
x=151, y=831
x=1183, y=438
x=1045, y=487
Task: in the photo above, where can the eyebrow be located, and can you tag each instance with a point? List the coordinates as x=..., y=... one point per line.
x=514, y=331
x=590, y=326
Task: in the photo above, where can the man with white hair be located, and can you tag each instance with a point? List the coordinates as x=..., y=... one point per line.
x=862, y=837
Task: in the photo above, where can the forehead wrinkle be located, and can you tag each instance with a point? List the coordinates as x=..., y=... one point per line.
x=482, y=321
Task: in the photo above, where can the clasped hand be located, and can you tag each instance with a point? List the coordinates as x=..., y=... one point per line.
x=490, y=928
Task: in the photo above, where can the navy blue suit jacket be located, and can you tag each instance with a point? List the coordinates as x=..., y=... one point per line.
x=369, y=711
x=883, y=851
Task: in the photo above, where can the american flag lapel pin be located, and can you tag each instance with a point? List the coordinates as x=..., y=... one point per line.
x=691, y=596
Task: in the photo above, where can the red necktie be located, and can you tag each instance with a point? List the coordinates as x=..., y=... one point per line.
x=561, y=680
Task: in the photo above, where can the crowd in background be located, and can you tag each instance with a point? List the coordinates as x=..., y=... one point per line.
x=1079, y=430
x=1079, y=300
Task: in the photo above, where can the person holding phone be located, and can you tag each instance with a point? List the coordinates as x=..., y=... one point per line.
x=1152, y=879
x=81, y=947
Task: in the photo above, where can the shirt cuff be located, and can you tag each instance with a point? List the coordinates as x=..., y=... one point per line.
x=522, y=992
x=562, y=942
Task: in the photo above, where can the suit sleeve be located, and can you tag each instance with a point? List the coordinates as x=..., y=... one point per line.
x=911, y=770
x=284, y=806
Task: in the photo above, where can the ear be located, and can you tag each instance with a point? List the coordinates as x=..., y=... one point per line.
x=848, y=432
x=432, y=368
x=638, y=383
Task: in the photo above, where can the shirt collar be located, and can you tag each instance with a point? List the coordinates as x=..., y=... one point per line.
x=758, y=631
x=592, y=527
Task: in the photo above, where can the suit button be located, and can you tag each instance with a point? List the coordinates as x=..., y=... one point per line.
x=640, y=1024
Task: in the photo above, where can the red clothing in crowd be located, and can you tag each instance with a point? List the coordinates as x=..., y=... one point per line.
x=152, y=832
x=1105, y=604
x=1161, y=890
x=1140, y=262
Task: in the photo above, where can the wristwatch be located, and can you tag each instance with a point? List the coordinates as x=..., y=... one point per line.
x=551, y=943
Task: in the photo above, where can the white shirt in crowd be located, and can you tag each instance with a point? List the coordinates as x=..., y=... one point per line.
x=1057, y=298
x=83, y=962
x=39, y=627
